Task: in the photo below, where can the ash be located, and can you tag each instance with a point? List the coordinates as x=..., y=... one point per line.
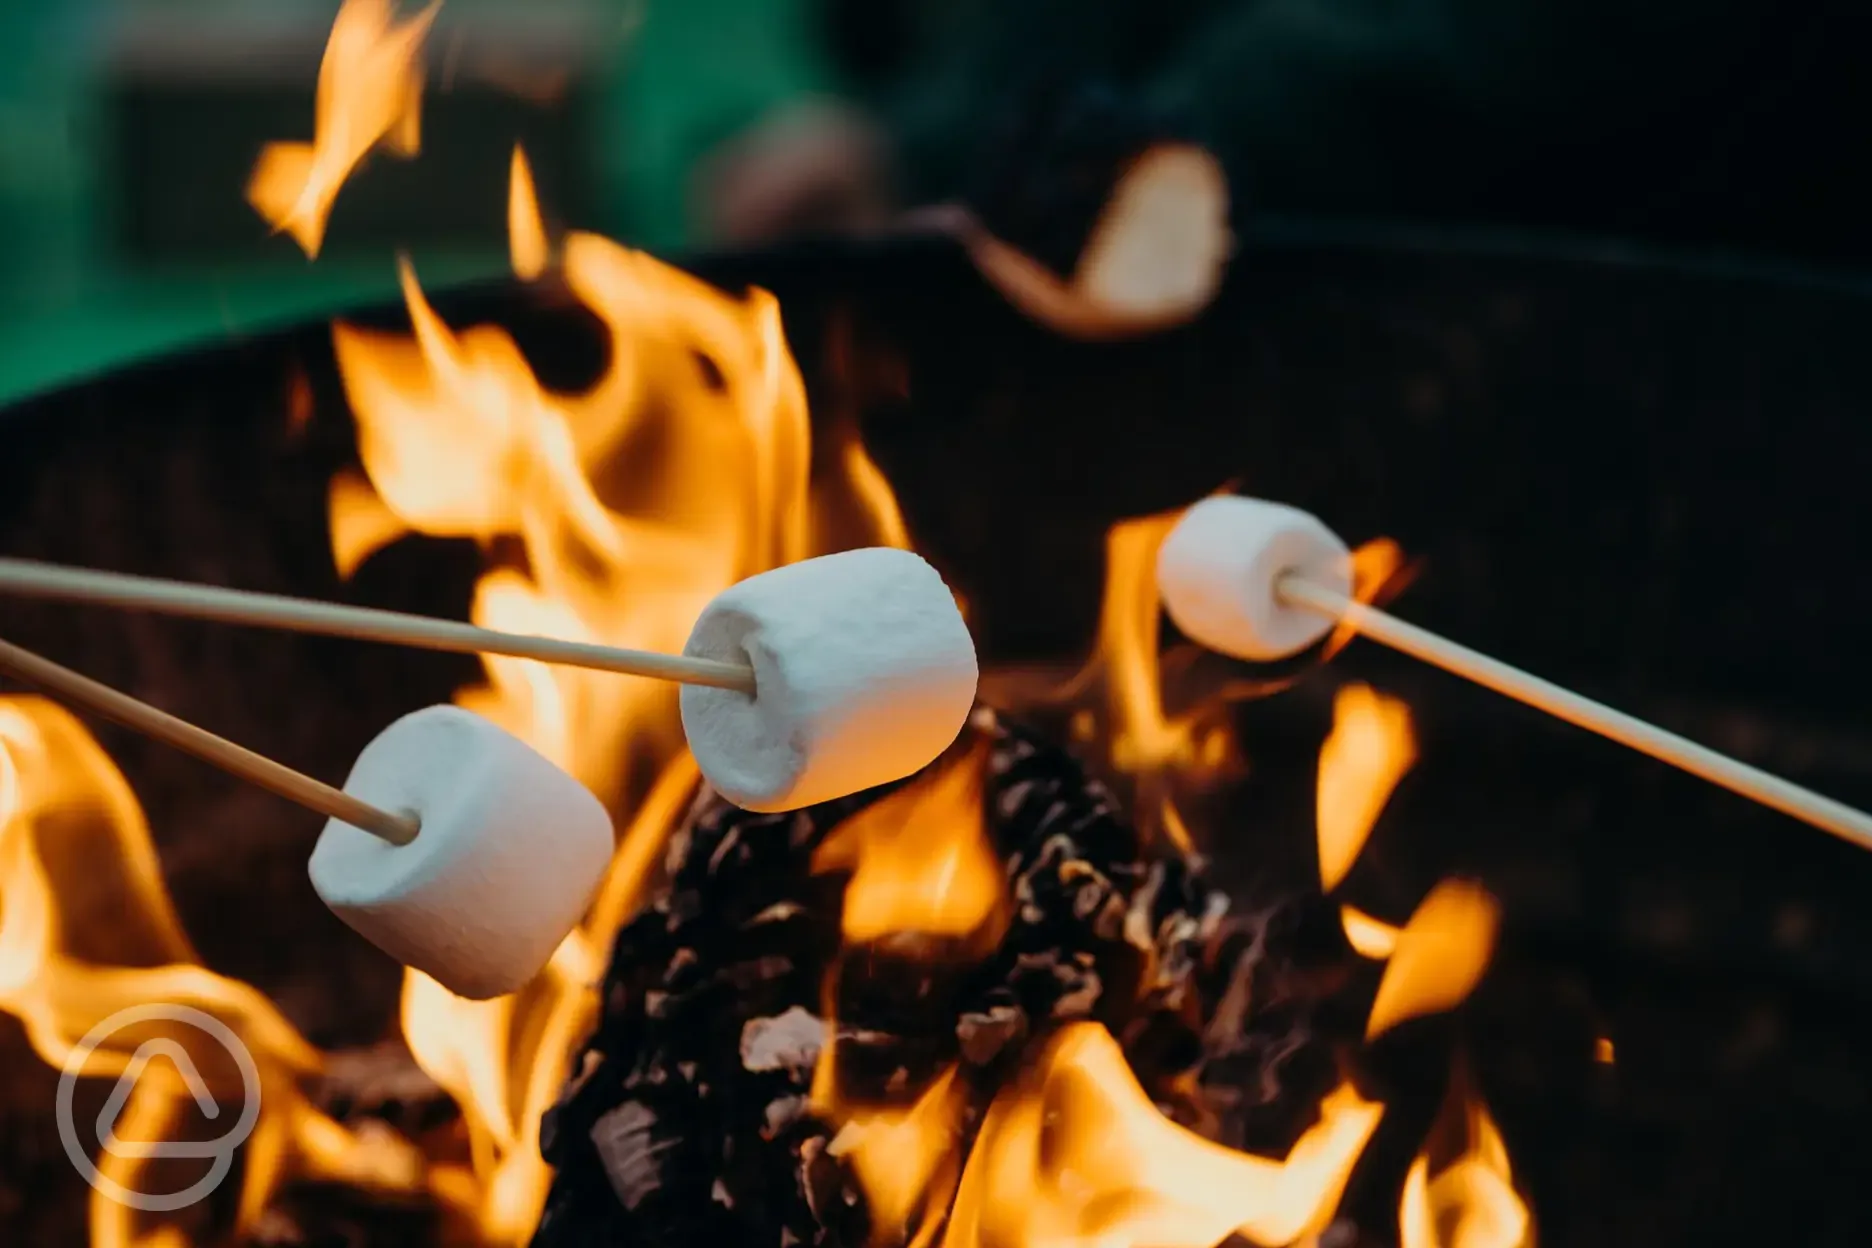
x=686, y=1119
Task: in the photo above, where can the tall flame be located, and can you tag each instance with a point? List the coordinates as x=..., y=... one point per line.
x=680, y=471
x=369, y=95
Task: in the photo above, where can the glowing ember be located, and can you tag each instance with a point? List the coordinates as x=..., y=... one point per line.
x=369, y=94
x=1369, y=750
x=1075, y=1154
x=1440, y=956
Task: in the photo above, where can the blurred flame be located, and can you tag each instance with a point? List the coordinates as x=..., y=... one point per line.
x=369, y=93
x=1440, y=955
x=526, y=233
x=87, y=930
x=361, y=525
x=1130, y=622
x=920, y=859
x=1378, y=575
x=1470, y=1202
x=1370, y=748
x=1369, y=937
x=1074, y=1155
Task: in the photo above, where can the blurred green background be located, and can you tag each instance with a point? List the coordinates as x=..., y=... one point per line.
x=128, y=129
x=652, y=84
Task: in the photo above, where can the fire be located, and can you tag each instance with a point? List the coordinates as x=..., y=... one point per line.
x=908, y=1162
x=369, y=95
x=526, y=233
x=1470, y=1201
x=682, y=470
x=1369, y=937
x=614, y=515
x=87, y=931
x=1439, y=957
x=920, y=860
x=1140, y=737
x=1379, y=574
x=1074, y=1155
x=1144, y=739
x=1369, y=750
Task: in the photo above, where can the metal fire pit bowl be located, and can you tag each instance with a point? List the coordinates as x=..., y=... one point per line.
x=1641, y=476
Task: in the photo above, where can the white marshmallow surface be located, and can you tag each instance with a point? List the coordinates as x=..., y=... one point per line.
x=1216, y=574
x=864, y=672
x=511, y=850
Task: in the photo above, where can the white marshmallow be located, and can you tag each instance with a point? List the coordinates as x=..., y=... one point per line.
x=1216, y=574
x=511, y=850
x=863, y=671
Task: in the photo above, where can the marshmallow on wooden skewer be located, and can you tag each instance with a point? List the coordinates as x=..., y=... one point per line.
x=1217, y=573
x=509, y=851
x=864, y=672
x=1262, y=581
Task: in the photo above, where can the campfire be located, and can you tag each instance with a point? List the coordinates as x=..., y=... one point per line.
x=1001, y=1003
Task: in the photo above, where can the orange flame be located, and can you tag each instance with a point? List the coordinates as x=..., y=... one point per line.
x=1470, y=1202
x=369, y=93
x=920, y=859
x=1369, y=937
x=87, y=930
x=1370, y=748
x=1130, y=622
x=1074, y=1155
x=1440, y=956
x=907, y=1162
x=526, y=233
x=681, y=471
x=1378, y=574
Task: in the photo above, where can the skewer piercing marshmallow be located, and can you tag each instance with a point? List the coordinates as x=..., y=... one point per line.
x=1217, y=574
x=509, y=852
x=864, y=672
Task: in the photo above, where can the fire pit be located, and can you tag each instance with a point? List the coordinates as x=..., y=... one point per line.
x=1164, y=949
x=1577, y=449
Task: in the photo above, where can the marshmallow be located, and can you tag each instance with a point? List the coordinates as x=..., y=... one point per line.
x=1217, y=569
x=864, y=672
x=511, y=850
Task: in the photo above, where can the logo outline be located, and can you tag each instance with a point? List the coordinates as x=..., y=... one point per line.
x=221, y=1151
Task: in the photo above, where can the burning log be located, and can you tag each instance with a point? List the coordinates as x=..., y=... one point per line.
x=755, y=1031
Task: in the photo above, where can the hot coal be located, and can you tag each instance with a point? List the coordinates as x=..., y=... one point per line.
x=686, y=1120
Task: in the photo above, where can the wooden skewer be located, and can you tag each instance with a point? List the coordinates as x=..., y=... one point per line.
x=1739, y=777
x=237, y=606
x=121, y=708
